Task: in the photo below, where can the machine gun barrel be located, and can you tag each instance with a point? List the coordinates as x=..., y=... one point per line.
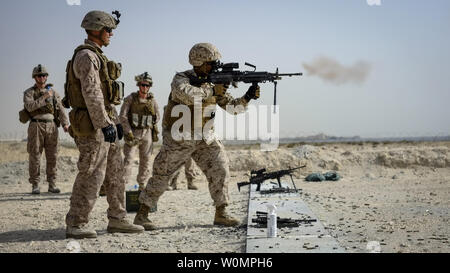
x=289, y=74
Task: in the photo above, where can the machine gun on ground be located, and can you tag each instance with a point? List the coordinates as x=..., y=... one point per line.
x=226, y=74
x=261, y=220
x=259, y=176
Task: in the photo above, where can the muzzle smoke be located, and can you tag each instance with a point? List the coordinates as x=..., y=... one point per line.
x=332, y=71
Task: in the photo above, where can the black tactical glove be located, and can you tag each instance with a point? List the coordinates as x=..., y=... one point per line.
x=252, y=93
x=110, y=133
x=119, y=131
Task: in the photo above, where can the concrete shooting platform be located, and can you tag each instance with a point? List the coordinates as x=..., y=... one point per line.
x=306, y=238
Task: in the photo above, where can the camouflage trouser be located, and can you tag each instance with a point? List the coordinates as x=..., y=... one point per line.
x=211, y=159
x=189, y=171
x=42, y=135
x=99, y=163
x=145, y=148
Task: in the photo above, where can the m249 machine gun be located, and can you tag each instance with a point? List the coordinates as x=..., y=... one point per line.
x=228, y=73
x=259, y=176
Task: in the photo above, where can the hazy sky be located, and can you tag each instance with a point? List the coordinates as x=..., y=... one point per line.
x=406, y=43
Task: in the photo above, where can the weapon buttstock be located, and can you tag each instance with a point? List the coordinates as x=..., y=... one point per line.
x=240, y=184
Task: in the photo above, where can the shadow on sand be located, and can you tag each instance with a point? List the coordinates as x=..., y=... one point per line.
x=22, y=236
x=5, y=197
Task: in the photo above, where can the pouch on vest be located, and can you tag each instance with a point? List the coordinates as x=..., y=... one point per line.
x=135, y=120
x=144, y=121
x=141, y=122
x=81, y=122
x=114, y=70
x=24, y=116
x=72, y=89
x=147, y=122
x=116, y=92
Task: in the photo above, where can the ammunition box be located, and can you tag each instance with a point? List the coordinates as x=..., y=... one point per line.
x=132, y=200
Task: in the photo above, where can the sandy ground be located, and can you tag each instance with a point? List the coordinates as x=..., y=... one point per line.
x=394, y=193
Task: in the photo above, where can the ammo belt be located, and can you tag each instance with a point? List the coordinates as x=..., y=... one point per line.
x=41, y=120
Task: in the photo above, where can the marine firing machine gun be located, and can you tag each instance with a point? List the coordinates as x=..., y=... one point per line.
x=227, y=73
x=259, y=176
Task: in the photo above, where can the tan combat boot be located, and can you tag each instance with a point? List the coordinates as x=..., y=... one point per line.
x=52, y=188
x=80, y=232
x=141, y=218
x=223, y=219
x=123, y=226
x=35, y=189
x=191, y=185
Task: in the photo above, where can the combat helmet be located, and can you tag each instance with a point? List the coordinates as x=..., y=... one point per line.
x=39, y=70
x=96, y=20
x=203, y=52
x=144, y=77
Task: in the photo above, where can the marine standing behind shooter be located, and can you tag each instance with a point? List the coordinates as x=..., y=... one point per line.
x=92, y=91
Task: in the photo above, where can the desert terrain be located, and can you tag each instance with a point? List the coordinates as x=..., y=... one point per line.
x=397, y=194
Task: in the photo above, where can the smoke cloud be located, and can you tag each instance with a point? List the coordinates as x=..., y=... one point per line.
x=332, y=71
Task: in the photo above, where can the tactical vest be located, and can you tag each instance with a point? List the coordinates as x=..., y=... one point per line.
x=49, y=108
x=168, y=120
x=141, y=115
x=112, y=92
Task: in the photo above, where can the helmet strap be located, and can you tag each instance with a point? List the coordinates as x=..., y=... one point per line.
x=142, y=95
x=96, y=37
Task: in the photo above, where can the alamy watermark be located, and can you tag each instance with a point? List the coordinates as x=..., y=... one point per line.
x=73, y=2
x=258, y=123
x=73, y=246
x=373, y=247
x=374, y=2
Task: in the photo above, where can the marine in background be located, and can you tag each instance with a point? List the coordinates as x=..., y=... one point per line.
x=44, y=110
x=139, y=116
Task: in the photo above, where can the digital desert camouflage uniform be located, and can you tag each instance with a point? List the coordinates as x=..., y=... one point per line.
x=100, y=161
x=210, y=158
x=43, y=135
x=209, y=153
x=189, y=172
x=142, y=139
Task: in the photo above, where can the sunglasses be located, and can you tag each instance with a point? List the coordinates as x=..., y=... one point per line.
x=41, y=75
x=108, y=29
x=145, y=85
